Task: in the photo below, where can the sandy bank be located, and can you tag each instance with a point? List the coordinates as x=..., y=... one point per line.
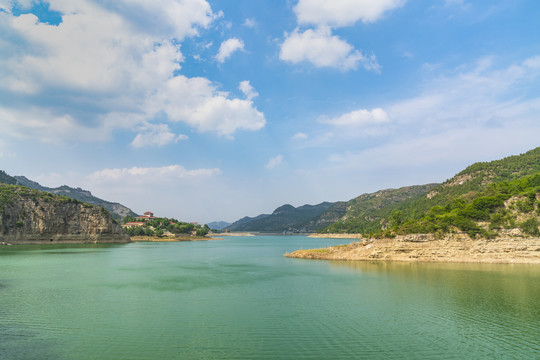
x=424, y=248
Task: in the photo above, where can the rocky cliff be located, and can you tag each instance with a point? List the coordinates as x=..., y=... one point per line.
x=29, y=216
x=118, y=211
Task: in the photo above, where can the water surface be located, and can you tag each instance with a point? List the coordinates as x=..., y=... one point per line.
x=241, y=299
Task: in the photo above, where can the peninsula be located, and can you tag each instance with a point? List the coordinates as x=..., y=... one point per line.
x=427, y=248
x=489, y=212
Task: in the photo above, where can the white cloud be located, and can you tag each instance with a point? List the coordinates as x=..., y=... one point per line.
x=479, y=112
x=228, y=47
x=250, y=23
x=339, y=13
x=322, y=49
x=156, y=135
x=478, y=94
x=300, y=136
x=151, y=174
x=176, y=19
x=248, y=90
x=274, y=162
x=49, y=127
x=360, y=118
x=197, y=102
x=106, y=66
x=319, y=47
x=92, y=50
x=532, y=62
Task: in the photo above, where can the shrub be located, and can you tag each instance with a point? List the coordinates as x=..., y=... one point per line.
x=530, y=226
x=525, y=206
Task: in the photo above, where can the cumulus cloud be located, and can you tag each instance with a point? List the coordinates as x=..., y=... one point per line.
x=228, y=47
x=360, y=117
x=248, y=90
x=151, y=174
x=318, y=46
x=339, y=13
x=156, y=135
x=106, y=66
x=197, y=102
x=274, y=162
x=322, y=49
x=164, y=17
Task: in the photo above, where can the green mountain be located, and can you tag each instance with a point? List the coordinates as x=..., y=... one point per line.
x=6, y=179
x=286, y=218
x=486, y=199
x=369, y=212
x=118, y=211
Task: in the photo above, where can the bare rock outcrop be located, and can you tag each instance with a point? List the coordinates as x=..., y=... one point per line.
x=428, y=248
x=29, y=216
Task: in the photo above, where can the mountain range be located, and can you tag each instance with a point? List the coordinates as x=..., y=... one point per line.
x=286, y=218
x=509, y=185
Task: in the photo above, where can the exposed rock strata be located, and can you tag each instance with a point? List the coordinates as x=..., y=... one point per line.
x=33, y=217
x=424, y=247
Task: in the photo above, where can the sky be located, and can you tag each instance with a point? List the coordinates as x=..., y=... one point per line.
x=212, y=110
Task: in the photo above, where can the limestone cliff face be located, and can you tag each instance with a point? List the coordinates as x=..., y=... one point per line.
x=29, y=216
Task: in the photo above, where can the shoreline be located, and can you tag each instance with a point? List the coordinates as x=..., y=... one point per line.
x=336, y=236
x=235, y=234
x=458, y=248
x=172, y=239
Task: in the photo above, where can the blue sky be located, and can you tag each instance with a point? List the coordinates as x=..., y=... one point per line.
x=209, y=110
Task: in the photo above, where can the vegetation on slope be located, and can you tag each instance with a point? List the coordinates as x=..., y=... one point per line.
x=11, y=193
x=370, y=212
x=161, y=226
x=502, y=205
x=117, y=210
x=6, y=179
x=481, y=200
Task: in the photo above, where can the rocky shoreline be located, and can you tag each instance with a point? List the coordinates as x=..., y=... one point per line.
x=426, y=248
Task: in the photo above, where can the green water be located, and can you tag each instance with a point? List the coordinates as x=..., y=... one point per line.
x=241, y=299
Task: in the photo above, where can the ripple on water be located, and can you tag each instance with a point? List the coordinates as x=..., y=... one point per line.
x=207, y=301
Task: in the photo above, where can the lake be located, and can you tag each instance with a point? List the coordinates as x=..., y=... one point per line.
x=239, y=298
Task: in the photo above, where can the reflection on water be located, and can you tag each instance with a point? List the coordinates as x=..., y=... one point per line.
x=240, y=298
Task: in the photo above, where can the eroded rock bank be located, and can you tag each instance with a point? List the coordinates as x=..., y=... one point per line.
x=32, y=217
x=426, y=248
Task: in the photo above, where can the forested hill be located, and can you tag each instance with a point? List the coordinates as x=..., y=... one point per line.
x=369, y=212
x=286, y=218
x=486, y=199
x=6, y=179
